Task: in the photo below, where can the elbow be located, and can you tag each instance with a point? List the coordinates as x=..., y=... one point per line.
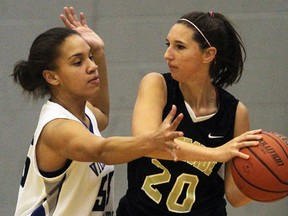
x=234, y=204
x=237, y=200
x=106, y=153
x=103, y=157
x=103, y=124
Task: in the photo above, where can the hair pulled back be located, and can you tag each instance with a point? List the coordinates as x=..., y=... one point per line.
x=228, y=64
x=42, y=56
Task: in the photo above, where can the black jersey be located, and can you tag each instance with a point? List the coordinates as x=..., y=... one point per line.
x=163, y=188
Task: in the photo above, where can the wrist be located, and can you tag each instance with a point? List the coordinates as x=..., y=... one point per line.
x=213, y=154
x=147, y=143
x=98, y=55
x=99, y=49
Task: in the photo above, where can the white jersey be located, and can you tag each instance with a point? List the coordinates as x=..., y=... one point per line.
x=80, y=189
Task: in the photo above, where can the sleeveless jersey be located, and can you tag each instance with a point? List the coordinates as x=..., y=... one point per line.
x=80, y=188
x=165, y=188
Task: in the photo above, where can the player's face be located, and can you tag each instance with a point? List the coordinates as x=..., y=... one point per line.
x=183, y=54
x=76, y=71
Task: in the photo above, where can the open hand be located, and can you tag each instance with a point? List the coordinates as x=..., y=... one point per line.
x=71, y=21
x=166, y=133
x=232, y=148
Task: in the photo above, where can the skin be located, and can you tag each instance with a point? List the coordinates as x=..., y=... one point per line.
x=79, y=80
x=189, y=65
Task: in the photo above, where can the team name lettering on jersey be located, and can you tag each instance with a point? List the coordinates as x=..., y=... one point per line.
x=204, y=166
x=97, y=168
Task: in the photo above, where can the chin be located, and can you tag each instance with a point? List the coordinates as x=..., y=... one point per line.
x=174, y=76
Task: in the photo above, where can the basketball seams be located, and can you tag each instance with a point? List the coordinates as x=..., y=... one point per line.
x=256, y=187
x=265, y=165
x=264, y=176
x=253, y=185
x=278, y=142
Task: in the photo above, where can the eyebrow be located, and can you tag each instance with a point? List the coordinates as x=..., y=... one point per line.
x=76, y=55
x=176, y=41
x=180, y=42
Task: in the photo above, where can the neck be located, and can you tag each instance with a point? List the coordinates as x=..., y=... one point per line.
x=72, y=106
x=202, y=98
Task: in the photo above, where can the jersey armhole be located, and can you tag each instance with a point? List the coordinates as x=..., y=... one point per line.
x=57, y=172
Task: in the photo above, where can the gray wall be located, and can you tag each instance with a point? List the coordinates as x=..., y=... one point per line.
x=134, y=32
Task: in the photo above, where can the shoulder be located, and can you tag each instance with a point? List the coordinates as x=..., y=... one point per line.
x=51, y=110
x=152, y=77
x=152, y=82
x=55, y=121
x=242, y=110
x=151, y=93
x=242, y=122
x=49, y=113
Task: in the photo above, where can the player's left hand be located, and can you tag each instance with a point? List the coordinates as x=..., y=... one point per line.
x=71, y=21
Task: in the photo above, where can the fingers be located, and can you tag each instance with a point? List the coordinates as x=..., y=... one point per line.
x=248, y=143
x=173, y=154
x=176, y=122
x=244, y=145
x=71, y=15
x=250, y=135
x=66, y=22
x=253, y=132
x=174, y=135
x=70, y=18
x=171, y=114
x=243, y=156
x=247, y=138
x=83, y=19
x=169, y=118
x=171, y=148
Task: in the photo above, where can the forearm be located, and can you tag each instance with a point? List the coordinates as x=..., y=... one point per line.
x=187, y=152
x=117, y=150
x=235, y=197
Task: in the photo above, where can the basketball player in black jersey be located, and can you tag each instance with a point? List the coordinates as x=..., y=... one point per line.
x=204, y=54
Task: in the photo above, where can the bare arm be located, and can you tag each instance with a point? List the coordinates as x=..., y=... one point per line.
x=63, y=139
x=99, y=104
x=233, y=194
x=147, y=117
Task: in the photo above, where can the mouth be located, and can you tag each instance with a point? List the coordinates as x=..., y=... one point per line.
x=95, y=80
x=171, y=67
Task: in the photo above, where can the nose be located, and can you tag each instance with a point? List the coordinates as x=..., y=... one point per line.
x=168, y=54
x=93, y=67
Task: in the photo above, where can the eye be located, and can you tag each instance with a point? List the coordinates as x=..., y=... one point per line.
x=167, y=44
x=77, y=63
x=91, y=57
x=180, y=47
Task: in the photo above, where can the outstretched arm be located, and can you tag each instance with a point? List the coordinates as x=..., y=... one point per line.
x=75, y=142
x=100, y=102
x=147, y=116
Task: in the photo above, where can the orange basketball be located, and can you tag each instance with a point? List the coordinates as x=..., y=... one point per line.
x=264, y=176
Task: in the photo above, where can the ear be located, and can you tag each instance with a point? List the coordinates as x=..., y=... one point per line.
x=209, y=54
x=51, y=77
